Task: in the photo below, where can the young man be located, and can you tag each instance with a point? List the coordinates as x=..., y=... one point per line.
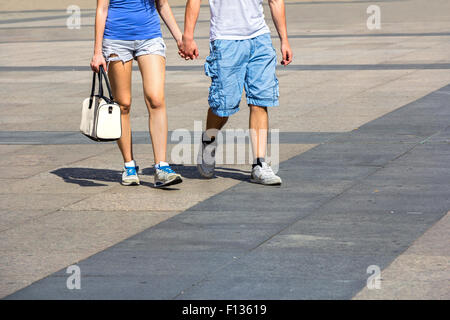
x=241, y=56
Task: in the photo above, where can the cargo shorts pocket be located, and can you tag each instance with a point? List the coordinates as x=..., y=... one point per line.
x=215, y=97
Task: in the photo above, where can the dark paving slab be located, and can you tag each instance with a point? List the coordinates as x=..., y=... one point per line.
x=353, y=232
x=143, y=137
x=344, y=205
x=350, y=154
x=284, y=274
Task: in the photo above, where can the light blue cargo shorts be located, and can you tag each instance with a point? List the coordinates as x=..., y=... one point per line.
x=234, y=65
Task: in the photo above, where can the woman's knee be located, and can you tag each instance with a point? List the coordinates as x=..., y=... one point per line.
x=125, y=105
x=155, y=101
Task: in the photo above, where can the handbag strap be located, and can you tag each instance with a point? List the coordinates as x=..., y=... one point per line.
x=102, y=72
x=91, y=97
x=100, y=75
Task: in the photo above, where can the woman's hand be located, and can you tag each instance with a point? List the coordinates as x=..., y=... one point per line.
x=181, y=48
x=190, y=49
x=97, y=61
x=166, y=14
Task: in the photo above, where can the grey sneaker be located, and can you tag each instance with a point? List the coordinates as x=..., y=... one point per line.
x=264, y=175
x=206, y=159
x=130, y=176
x=165, y=176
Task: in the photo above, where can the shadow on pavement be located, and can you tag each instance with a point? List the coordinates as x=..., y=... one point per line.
x=191, y=172
x=91, y=177
x=88, y=177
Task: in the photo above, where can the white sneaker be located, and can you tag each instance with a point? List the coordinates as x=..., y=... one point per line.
x=264, y=175
x=165, y=176
x=129, y=176
x=206, y=159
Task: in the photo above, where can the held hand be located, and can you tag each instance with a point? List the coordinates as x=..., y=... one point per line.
x=181, y=48
x=286, y=52
x=189, y=49
x=97, y=61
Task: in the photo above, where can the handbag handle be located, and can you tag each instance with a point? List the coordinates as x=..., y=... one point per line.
x=101, y=74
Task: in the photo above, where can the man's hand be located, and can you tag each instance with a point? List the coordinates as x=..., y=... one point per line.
x=189, y=48
x=277, y=9
x=286, y=52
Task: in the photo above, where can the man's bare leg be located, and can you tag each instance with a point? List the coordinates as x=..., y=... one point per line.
x=214, y=123
x=258, y=124
x=206, y=160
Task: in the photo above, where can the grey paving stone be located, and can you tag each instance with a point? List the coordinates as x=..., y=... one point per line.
x=128, y=287
x=322, y=173
x=442, y=136
x=354, y=154
x=413, y=127
x=378, y=136
x=354, y=232
x=236, y=200
x=11, y=218
x=238, y=217
x=426, y=156
x=145, y=260
x=419, y=180
x=396, y=203
x=175, y=236
x=287, y=274
x=43, y=201
x=21, y=172
x=274, y=288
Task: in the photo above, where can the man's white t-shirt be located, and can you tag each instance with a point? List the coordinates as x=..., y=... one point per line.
x=237, y=19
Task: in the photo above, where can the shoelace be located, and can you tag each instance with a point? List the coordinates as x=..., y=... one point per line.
x=167, y=169
x=131, y=171
x=266, y=170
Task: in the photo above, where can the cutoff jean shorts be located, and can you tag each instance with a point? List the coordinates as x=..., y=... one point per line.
x=126, y=50
x=234, y=65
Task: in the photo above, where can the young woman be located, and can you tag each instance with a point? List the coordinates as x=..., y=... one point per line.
x=127, y=30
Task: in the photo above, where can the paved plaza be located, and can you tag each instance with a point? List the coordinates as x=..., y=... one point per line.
x=364, y=154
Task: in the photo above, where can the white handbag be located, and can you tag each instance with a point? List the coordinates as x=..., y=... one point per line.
x=100, y=115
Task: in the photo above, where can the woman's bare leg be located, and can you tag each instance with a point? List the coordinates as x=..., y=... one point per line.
x=153, y=69
x=119, y=74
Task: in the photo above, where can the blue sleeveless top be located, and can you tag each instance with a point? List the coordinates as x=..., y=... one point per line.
x=132, y=20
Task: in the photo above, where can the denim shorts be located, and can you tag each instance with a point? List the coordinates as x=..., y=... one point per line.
x=234, y=65
x=127, y=50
